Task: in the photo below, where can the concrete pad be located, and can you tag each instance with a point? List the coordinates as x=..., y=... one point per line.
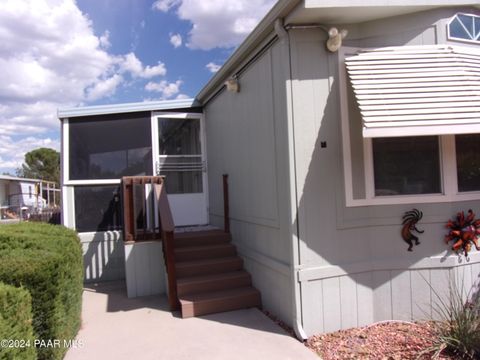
x=115, y=327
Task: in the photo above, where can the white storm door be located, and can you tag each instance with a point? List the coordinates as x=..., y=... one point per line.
x=181, y=159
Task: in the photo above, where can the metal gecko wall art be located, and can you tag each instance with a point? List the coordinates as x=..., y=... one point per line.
x=464, y=231
x=410, y=220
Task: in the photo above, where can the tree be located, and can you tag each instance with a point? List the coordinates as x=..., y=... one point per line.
x=42, y=163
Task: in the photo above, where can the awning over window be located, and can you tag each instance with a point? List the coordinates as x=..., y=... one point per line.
x=417, y=90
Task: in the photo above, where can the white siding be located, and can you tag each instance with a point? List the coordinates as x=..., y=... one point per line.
x=144, y=269
x=355, y=269
x=247, y=139
x=103, y=256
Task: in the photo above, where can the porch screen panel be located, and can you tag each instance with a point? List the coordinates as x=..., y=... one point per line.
x=109, y=147
x=97, y=208
x=417, y=90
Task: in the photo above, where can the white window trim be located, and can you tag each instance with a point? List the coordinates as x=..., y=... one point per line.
x=448, y=163
x=453, y=38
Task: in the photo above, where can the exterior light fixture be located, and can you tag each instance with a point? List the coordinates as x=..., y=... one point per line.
x=335, y=38
x=232, y=85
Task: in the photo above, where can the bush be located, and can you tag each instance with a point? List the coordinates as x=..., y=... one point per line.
x=459, y=328
x=16, y=323
x=46, y=260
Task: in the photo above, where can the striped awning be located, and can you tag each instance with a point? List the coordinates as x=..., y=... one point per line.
x=417, y=90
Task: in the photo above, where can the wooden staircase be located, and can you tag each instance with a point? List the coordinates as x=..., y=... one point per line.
x=210, y=274
x=205, y=275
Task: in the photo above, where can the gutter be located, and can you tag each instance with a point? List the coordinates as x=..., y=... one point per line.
x=295, y=250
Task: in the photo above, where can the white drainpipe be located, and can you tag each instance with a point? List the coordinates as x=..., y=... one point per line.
x=295, y=256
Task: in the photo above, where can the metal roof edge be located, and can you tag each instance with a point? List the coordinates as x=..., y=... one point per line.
x=16, y=178
x=127, y=108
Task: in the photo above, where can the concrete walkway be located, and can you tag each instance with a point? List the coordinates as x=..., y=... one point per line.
x=115, y=327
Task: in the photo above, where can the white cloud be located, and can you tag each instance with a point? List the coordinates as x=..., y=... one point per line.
x=165, y=5
x=236, y=19
x=176, y=40
x=165, y=88
x=12, y=153
x=51, y=58
x=130, y=63
x=105, y=40
x=212, y=67
x=104, y=88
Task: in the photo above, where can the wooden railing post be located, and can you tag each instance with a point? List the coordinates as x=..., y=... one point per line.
x=167, y=229
x=226, y=205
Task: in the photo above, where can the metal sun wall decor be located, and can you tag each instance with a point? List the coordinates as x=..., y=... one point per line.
x=410, y=220
x=464, y=231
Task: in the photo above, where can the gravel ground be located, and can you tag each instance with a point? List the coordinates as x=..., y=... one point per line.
x=393, y=340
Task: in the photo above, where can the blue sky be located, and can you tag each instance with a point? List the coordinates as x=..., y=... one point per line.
x=63, y=53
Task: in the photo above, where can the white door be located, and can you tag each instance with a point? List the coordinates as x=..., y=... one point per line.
x=179, y=143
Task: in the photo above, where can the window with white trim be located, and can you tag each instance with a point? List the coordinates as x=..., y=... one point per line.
x=464, y=27
x=389, y=156
x=406, y=165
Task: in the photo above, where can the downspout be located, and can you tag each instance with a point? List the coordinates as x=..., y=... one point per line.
x=295, y=253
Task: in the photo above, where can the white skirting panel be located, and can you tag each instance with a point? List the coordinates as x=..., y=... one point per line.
x=103, y=256
x=359, y=299
x=144, y=269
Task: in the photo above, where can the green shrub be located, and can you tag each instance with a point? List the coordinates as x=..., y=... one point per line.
x=16, y=324
x=46, y=260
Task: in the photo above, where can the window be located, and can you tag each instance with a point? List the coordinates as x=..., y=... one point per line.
x=406, y=165
x=408, y=140
x=464, y=27
x=109, y=147
x=97, y=208
x=468, y=162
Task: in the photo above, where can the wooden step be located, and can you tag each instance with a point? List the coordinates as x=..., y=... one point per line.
x=219, y=301
x=214, y=282
x=199, y=238
x=208, y=266
x=187, y=253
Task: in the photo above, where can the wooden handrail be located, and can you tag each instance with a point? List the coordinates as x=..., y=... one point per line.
x=167, y=228
x=226, y=204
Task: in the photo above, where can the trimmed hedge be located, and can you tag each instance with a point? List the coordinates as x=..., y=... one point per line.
x=47, y=261
x=16, y=324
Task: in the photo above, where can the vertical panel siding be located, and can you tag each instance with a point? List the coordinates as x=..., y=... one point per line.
x=332, y=312
x=312, y=295
x=334, y=236
x=247, y=138
x=401, y=295
x=382, y=295
x=364, y=283
x=349, y=306
x=421, y=294
x=144, y=268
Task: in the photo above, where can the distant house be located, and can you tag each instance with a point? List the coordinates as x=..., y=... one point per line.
x=21, y=195
x=328, y=141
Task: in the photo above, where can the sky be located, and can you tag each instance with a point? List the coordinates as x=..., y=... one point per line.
x=64, y=53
